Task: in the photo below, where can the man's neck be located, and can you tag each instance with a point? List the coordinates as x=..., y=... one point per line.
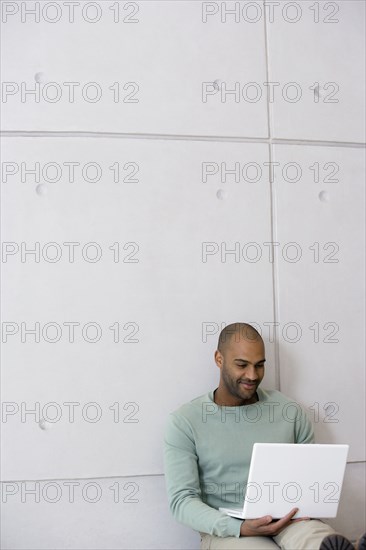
x=222, y=402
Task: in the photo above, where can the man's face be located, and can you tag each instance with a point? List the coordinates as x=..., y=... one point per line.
x=242, y=367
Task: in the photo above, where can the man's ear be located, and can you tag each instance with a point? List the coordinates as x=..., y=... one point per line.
x=218, y=359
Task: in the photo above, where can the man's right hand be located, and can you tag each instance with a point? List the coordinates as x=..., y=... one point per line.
x=265, y=526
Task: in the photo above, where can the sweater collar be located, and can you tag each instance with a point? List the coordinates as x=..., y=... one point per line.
x=262, y=396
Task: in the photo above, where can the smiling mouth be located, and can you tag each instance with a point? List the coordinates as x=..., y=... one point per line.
x=248, y=386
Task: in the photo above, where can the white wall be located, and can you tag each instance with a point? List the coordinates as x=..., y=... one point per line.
x=174, y=216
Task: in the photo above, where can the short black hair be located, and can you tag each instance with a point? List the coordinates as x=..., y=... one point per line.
x=244, y=330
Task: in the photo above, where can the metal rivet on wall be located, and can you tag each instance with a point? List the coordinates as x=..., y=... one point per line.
x=222, y=194
x=324, y=196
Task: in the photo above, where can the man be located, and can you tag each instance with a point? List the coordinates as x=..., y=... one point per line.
x=207, y=450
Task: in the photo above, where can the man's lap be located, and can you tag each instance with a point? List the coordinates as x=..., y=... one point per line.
x=210, y=542
x=302, y=535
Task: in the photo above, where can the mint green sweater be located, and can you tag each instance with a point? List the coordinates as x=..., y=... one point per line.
x=207, y=452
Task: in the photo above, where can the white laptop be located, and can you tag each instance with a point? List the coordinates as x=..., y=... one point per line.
x=283, y=476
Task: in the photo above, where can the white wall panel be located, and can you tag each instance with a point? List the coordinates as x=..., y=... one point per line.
x=177, y=301
x=169, y=51
x=318, y=42
x=131, y=513
x=322, y=360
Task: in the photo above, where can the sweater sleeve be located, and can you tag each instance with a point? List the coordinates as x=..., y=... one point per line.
x=183, y=485
x=304, y=431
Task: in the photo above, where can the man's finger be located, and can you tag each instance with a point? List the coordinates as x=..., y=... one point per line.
x=266, y=526
x=288, y=516
x=265, y=520
x=285, y=520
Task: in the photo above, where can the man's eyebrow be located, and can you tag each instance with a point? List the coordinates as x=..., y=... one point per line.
x=246, y=361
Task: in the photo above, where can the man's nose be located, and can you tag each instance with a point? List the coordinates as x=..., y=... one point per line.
x=251, y=373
